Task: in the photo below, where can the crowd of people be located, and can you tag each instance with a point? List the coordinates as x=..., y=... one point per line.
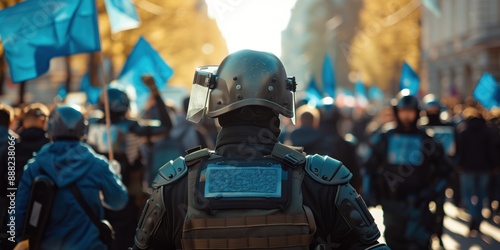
x=401, y=157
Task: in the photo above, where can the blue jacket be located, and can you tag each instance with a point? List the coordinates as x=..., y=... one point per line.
x=67, y=162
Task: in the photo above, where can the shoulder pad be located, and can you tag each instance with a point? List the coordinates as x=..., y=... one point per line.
x=170, y=172
x=327, y=170
x=290, y=155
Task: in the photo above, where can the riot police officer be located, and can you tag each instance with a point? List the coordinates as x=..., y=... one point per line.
x=445, y=133
x=252, y=192
x=411, y=170
x=126, y=140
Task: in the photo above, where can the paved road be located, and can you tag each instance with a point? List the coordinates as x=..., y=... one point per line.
x=456, y=232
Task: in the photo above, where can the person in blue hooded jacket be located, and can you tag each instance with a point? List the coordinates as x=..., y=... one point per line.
x=66, y=161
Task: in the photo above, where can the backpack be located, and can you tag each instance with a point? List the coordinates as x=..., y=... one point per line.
x=240, y=204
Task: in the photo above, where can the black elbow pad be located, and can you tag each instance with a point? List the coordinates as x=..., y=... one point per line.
x=354, y=211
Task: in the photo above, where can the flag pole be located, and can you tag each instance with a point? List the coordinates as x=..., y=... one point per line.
x=107, y=114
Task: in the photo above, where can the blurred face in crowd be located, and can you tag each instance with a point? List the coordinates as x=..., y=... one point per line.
x=432, y=110
x=407, y=116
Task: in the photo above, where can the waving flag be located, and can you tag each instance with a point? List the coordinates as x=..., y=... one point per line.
x=33, y=32
x=360, y=93
x=89, y=89
x=433, y=6
x=144, y=60
x=328, y=77
x=312, y=92
x=487, y=91
x=375, y=93
x=122, y=15
x=409, y=79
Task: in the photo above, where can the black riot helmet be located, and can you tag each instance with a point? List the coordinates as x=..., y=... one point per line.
x=66, y=122
x=405, y=100
x=431, y=101
x=244, y=78
x=118, y=102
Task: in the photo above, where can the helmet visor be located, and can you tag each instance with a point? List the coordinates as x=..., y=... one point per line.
x=203, y=82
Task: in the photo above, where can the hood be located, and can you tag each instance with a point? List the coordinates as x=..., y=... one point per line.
x=65, y=161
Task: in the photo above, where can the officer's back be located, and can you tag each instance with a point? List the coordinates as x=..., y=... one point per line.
x=252, y=192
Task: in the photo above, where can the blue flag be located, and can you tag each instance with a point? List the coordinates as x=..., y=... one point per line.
x=360, y=93
x=409, y=79
x=375, y=93
x=122, y=15
x=33, y=32
x=62, y=92
x=433, y=6
x=487, y=91
x=144, y=60
x=312, y=92
x=91, y=91
x=328, y=77
x=360, y=90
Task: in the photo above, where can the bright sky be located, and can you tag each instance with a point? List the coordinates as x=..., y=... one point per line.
x=252, y=24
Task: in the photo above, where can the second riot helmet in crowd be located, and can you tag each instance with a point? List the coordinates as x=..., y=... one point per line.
x=66, y=122
x=244, y=78
x=118, y=102
x=405, y=100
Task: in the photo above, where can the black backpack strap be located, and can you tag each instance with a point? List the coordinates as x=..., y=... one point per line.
x=84, y=205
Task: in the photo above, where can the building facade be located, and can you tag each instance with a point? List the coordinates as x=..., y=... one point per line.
x=458, y=45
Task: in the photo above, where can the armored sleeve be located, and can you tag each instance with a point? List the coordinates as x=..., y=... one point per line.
x=349, y=224
x=150, y=220
x=153, y=230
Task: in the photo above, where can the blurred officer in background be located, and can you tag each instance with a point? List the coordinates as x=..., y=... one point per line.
x=445, y=133
x=411, y=170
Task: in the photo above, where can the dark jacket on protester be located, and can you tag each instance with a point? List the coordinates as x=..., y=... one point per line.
x=30, y=141
x=474, y=147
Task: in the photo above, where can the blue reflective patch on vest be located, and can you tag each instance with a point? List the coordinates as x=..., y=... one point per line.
x=446, y=136
x=249, y=181
x=405, y=149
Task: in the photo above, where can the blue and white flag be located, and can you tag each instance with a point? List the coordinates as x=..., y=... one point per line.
x=409, y=79
x=360, y=93
x=433, y=6
x=33, y=32
x=122, y=15
x=375, y=94
x=144, y=59
x=313, y=94
x=487, y=91
x=328, y=74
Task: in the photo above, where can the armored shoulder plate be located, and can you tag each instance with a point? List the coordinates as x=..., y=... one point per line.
x=170, y=172
x=176, y=169
x=327, y=170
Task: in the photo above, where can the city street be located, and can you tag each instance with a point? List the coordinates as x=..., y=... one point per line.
x=456, y=230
